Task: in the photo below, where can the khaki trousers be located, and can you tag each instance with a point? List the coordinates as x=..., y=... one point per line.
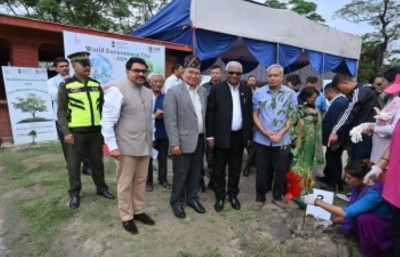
x=131, y=183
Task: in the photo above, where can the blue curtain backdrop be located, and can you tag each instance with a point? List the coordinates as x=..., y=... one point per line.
x=209, y=44
x=288, y=54
x=264, y=52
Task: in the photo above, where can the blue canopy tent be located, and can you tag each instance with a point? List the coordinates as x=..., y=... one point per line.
x=253, y=33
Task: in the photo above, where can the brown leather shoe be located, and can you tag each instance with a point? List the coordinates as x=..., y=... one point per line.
x=257, y=206
x=280, y=204
x=144, y=218
x=130, y=226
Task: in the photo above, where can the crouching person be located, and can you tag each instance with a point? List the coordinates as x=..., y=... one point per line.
x=367, y=214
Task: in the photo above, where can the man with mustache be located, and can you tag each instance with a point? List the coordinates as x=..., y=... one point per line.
x=61, y=65
x=80, y=101
x=127, y=129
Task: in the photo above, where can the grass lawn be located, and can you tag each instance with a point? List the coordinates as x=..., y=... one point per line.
x=38, y=221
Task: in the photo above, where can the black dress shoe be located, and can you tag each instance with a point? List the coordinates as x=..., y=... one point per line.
x=74, y=202
x=142, y=217
x=179, y=212
x=197, y=207
x=106, y=194
x=246, y=173
x=234, y=202
x=130, y=227
x=219, y=205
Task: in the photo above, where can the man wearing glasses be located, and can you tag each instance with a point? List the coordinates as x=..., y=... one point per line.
x=127, y=130
x=229, y=130
x=184, y=114
x=80, y=100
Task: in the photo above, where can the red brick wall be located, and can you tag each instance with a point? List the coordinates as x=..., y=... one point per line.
x=5, y=125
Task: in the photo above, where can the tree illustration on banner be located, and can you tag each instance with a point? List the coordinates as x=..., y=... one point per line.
x=33, y=134
x=32, y=104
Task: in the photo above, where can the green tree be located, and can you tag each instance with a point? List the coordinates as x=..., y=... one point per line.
x=302, y=7
x=384, y=17
x=32, y=104
x=109, y=15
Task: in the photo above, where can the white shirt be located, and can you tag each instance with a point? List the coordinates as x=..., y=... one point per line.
x=113, y=101
x=237, y=119
x=195, y=97
x=52, y=87
x=170, y=82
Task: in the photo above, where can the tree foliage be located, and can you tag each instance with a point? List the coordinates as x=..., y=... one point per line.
x=32, y=104
x=109, y=15
x=302, y=7
x=384, y=17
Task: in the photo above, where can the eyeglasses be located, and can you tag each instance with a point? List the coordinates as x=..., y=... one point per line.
x=138, y=71
x=231, y=73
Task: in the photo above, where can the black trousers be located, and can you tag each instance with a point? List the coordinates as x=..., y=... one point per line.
x=234, y=158
x=162, y=146
x=92, y=144
x=362, y=150
x=85, y=158
x=334, y=167
x=271, y=162
x=187, y=169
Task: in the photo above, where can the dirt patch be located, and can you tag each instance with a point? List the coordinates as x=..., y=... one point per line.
x=38, y=161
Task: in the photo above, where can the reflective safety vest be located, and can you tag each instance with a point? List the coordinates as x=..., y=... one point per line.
x=84, y=102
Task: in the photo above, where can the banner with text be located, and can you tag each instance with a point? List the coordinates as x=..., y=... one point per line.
x=29, y=104
x=109, y=55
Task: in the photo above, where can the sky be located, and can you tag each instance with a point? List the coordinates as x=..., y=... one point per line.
x=326, y=9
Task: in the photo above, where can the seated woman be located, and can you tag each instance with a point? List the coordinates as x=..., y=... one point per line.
x=367, y=214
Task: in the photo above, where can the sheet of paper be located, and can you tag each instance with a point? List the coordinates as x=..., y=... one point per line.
x=318, y=212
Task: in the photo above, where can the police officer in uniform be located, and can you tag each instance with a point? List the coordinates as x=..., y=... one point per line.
x=79, y=113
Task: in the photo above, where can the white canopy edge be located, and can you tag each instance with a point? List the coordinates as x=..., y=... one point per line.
x=250, y=20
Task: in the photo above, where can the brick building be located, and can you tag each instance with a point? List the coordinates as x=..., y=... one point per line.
x=27, y=42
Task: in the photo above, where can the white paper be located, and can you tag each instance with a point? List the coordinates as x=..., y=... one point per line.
x=318, y=212
x=154, y=153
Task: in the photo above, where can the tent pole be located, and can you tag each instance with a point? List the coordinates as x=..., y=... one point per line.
x=277, y=53
x=322, y=73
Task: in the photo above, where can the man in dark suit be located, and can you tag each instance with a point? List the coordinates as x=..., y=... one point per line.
x=184, y=119
x=333, y=156
x=229, y=129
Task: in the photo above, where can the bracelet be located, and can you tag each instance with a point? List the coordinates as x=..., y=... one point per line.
x=385, y=159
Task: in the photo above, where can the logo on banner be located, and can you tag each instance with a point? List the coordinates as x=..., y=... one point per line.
x=154, y=49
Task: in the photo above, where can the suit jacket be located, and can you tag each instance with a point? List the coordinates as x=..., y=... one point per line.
x=335, y=111
x=180, y=117
x=220, y=113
